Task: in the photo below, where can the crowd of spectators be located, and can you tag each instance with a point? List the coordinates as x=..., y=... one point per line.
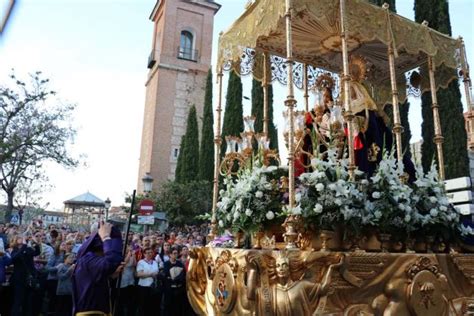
x=37, y=264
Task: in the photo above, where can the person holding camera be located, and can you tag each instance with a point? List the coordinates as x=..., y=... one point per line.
x=25, y=277
x=98, y=259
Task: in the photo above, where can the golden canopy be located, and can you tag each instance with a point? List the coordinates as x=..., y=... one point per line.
x=316, y=33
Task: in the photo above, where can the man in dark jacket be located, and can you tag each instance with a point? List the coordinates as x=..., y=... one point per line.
x=97, y=260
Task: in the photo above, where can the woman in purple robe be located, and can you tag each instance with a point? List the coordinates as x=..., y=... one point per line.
x=98, y=259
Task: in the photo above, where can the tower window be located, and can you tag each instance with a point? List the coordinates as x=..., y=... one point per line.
x=185, y=50
x=175, y=153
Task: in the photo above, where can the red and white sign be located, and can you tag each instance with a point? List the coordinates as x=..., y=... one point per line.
x=146, y=207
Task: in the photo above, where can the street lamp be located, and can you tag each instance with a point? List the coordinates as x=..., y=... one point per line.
x=147, y=183
x=107, y=204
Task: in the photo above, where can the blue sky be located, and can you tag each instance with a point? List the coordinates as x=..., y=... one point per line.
x=95, y=52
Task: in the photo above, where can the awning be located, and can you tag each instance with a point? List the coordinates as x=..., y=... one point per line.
x=316, y=41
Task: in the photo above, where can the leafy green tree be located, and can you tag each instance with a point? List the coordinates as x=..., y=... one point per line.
x=34, y=129
x=188, y=159
x=257, y=111
x=206, y=152
x=233, y=121
x=436, y=12
x=182, y=202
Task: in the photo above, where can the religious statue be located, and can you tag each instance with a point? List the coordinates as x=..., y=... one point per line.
x=317, y=122
x=370, y=125
x=283, y=288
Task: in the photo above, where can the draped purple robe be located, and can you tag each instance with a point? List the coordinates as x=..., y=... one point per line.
x=90, y=281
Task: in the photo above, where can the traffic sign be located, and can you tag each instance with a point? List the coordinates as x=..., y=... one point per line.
x=146, y=220
x=146, y=207
x=15, y=219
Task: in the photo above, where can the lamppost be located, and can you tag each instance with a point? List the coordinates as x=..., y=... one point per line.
x=147, y=181
x=107, y=204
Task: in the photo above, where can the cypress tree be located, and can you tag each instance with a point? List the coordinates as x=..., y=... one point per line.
x=257, y=111
x=233, y=121
x=206, y=152
x=272, y=130
x=436, y=12
x=405, y=107
x=188, y=159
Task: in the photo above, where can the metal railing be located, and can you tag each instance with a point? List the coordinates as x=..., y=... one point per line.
x=188, y=54
x=151, y=60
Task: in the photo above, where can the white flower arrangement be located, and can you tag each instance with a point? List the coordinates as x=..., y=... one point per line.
x=389, y=199
x=328, y=197
x=435, y=214
x=251, y=200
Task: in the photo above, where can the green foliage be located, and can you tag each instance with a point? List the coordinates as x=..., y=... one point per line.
x=206, y=152
x=35, y=128
x=436, y=12
x=188, y=159
x=257, y=111
x=183, y=202
x=406, y=136
x=233, y=121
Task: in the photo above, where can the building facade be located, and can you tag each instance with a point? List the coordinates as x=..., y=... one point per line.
x=178, y=64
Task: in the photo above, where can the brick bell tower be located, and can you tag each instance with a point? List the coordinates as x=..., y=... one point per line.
x=178, y=64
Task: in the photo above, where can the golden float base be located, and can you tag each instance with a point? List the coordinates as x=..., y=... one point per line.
x=264, y=282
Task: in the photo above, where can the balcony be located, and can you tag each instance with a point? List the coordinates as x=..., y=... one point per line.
x=151, y=60
x=188, y=54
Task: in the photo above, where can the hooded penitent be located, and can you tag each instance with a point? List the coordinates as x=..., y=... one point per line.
x=96, y=262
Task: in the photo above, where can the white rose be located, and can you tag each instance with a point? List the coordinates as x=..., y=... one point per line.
x=443, y=208
x=259, y=194
x=338, y=202
x=318, y=208
x=378, y=214
x=376, y=195
x=433, y=212
x=270, y=215
x=332, y=186
x=248, y=212
x=319, y=187
x=401, y=207
x=221, y=223
x=433, y=199
x=407, y=218
x=364, y=182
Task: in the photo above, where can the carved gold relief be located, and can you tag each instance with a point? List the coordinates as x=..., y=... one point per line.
x=295, y=282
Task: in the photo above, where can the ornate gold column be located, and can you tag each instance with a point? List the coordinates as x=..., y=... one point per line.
x=397, y=126
x=217, y=157
x=290, y=102
x=305, y=85
x=438, y=138
x=467, y=91
x=266, y=68
x=348, y=115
